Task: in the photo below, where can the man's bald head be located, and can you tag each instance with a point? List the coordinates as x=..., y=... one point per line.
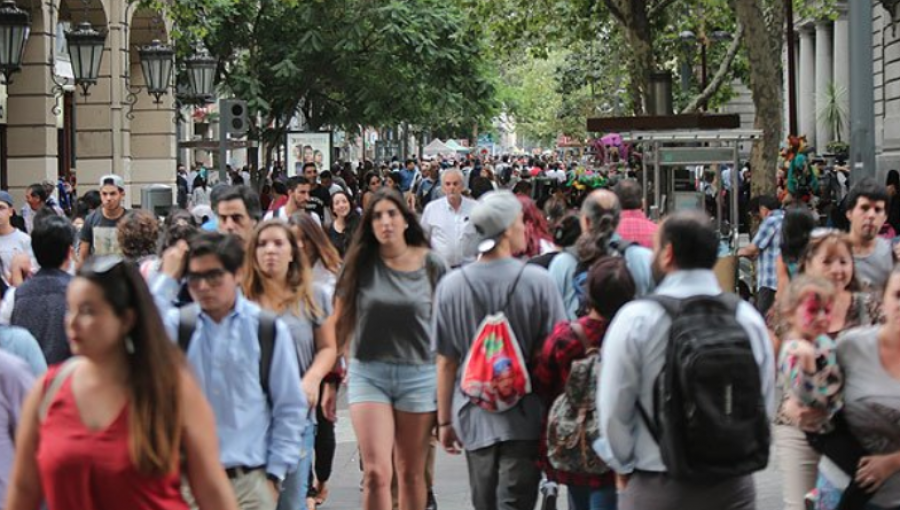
x=596, y=205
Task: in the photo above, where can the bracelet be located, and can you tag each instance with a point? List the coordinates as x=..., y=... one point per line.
x=442, y=425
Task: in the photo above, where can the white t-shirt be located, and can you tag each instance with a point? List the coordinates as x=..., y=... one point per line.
x=11, y=245
x=281, y=214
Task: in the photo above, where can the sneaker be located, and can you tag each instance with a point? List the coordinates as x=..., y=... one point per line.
x=431, y=503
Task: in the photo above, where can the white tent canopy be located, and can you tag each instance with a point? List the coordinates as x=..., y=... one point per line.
x=437, y=147
x=455, y=147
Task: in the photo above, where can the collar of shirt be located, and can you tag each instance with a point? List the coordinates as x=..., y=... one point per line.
x=634, y=214
x=240, y=310
x=464, y=205
x=690, y=282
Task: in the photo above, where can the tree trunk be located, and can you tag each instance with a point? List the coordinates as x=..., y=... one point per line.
x=640, y=39
x=766, y=85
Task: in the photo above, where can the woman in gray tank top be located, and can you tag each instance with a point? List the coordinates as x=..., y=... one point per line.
x=383, y=308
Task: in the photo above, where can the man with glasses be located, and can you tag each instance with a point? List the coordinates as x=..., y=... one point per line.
x=259, y=420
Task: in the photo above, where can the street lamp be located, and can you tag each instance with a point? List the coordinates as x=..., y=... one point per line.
x=15, y=25
x=86, y=52
x=689, y=39
x=157, y=61
x=201, y=73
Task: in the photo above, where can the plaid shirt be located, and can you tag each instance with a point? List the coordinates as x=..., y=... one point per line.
x=768, y=240
x=635, y=227
x=550, y=374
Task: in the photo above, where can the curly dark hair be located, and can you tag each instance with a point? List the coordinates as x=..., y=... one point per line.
x=138, y=234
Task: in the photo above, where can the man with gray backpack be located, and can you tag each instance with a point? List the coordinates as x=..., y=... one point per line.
x=687, y=385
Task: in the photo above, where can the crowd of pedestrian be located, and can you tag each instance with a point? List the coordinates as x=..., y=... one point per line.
x=553, y=338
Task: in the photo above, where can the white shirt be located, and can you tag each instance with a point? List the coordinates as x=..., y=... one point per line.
x=446, y=227
x=633, y=354
x=281, y=214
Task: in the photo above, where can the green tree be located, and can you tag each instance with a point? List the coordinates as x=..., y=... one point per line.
x=342, y=63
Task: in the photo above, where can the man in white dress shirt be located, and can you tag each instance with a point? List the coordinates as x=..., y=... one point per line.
x=634, y=352
x=445, y=219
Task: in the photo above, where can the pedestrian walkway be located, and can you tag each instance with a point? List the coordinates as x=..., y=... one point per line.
x=452, y=484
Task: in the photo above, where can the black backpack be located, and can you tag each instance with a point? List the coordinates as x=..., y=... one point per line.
x=709, y=415
x=187, y=323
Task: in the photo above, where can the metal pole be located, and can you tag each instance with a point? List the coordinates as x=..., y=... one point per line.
x=862, y=96
x=735, y=197
x=657, y=185
x=792, y=66
x=223, y=152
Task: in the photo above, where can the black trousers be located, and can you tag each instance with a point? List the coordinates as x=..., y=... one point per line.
x=325, y=448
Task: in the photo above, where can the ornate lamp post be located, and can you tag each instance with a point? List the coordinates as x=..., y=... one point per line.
x=15, y=25
x=201, y=74
x=86, y=52
x=157, y=61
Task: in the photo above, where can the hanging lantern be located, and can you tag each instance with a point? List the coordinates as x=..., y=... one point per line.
x=86, y=47
x=15, y=25
x=201, y=73
x=157, y=61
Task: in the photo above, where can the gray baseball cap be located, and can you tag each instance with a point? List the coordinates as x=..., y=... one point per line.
x=115, y=180
x=490, y=219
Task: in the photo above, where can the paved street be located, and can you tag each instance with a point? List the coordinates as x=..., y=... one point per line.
x=452, y=487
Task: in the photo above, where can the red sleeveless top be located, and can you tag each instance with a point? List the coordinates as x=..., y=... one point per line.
x=86, y=470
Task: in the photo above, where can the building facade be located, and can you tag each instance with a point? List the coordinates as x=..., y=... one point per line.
x=50, y=129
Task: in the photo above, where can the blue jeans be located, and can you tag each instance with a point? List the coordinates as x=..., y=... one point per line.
x=296, y=483
x=585, y=498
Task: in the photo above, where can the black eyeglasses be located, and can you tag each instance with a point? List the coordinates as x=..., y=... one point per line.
x=213, y=277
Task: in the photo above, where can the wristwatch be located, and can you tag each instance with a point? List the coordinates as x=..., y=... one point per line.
x=277, y=480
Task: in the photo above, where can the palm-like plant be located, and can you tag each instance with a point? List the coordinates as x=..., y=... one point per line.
x=833, y=112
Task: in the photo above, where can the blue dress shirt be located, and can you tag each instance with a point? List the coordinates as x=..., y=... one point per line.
x=225, y=358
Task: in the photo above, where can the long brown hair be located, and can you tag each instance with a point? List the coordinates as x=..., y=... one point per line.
x=362, y=253
x=316, y=244
x=154, y=368
x=299, y=276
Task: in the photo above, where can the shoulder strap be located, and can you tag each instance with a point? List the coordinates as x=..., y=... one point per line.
x=481, y=303
x=266, y=350
x=671, y=305
x=55, y=384
x=578, y=329
x=621, y=246
x=187, y=323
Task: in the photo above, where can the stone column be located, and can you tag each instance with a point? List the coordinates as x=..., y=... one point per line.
x=806, y=78
x=31, y=123
x=823, y=82
x=841, y=59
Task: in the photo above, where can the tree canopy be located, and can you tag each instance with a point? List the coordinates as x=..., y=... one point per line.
x=342, y=63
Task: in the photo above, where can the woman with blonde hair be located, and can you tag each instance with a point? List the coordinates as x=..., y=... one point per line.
x=104, y=429
x=278, y=278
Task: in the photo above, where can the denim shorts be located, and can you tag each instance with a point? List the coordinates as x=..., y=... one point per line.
x=406, y=388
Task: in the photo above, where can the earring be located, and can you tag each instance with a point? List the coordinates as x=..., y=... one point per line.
x=129, y=345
